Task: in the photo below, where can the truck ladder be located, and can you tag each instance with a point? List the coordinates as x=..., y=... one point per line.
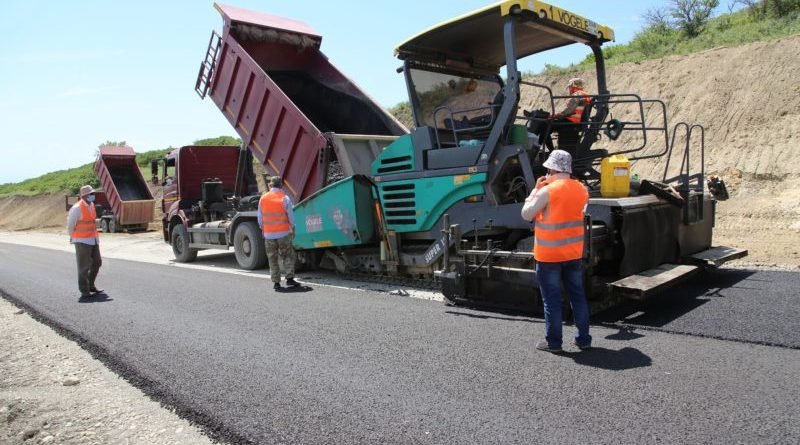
x=208, y=66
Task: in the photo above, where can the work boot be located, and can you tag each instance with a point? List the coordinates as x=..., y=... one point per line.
x=84, y=295
x=277, y=286
x=544, y=346
x=579, y=346
x=291, y=282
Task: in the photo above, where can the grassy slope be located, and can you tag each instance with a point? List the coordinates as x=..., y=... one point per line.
x=733, y=29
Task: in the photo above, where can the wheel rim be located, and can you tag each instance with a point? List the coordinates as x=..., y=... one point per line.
x=179, y=244
x=246, y=247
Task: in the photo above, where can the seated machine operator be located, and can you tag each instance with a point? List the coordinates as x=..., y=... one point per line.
x=566, y=121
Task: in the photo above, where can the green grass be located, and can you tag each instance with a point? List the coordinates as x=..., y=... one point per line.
x=71, y=180
x=735, y=29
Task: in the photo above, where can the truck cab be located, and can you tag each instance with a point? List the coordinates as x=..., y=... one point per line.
x=203, y=196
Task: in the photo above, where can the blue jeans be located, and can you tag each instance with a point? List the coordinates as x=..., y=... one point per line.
x=550, y=276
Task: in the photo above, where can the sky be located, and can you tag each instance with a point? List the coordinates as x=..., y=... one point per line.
x=75, y=74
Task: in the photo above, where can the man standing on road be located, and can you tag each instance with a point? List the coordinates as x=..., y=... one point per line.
x=557, y=204
x=82, y=230
x=276, y=218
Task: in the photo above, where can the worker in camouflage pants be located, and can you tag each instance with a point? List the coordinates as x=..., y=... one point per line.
x=281, y=249
x=276, y=218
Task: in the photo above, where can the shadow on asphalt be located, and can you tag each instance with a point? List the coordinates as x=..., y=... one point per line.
x=625, y=358
x=674, y=303
x=223, y=260
x=485, y=316
x=294, y=289
x=96, y=298
x=624, y=334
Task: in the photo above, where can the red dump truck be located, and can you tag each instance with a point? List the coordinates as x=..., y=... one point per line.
x=130, y=202
x=298, y=116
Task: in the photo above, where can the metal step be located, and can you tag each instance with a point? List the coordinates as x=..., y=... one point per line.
x=644, y=284
x=716, y=256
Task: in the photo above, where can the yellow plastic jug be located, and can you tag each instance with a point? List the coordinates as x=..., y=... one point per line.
x=615, y=177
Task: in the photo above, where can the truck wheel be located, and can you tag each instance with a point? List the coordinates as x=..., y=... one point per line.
x=248, y=245
x=104, y=225
x=180, y=245
x=112, y=225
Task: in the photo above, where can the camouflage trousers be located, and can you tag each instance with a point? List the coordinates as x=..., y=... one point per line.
x=277, y=250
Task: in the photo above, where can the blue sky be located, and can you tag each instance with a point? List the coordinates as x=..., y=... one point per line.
x=77, y=73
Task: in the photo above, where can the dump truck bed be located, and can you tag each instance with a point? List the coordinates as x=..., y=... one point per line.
x=285, y=99
x=128, y=195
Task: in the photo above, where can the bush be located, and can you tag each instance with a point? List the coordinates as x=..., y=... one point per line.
x=402, y=112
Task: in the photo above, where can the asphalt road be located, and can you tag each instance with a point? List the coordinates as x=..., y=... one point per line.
x=344, y=366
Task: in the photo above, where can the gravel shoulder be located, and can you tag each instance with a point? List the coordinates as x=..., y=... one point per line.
x=52, y=391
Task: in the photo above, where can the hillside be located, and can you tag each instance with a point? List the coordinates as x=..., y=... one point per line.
x=745, y=97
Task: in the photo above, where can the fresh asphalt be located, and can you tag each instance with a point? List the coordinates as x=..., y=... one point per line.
x=714, y=361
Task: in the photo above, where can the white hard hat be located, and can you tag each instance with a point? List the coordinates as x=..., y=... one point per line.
x=560, y=161
x=86, y=190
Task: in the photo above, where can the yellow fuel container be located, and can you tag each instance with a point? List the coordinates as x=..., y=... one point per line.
x=615, y=177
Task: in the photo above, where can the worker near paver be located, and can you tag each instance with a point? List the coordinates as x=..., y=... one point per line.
x=276, y=219
x=82, y=230
x=564, y=121
x=557, y=204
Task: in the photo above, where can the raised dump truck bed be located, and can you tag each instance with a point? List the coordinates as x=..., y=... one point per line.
x=130, y=203
x=295, y=111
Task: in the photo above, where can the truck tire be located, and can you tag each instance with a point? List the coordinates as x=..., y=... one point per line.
x=112, y=225
x=180, y=245
x=104, y=225
x=248, y=245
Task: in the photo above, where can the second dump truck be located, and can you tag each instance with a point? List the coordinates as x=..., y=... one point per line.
x=130, y=202
x=442, y=202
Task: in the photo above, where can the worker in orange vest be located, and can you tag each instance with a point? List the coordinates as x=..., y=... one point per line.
x=565, y=122
x=276, y=219
x=82, y=230
x=557, y=204
x=573, y=110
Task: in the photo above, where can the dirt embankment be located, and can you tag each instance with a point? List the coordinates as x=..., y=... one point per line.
x=745, y=97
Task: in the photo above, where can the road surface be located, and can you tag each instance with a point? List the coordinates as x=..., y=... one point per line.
x=717, y=363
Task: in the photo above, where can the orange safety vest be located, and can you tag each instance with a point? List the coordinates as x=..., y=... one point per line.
x=583, y=101
x=273, y=212
x=86, y=227
x=558, y=233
